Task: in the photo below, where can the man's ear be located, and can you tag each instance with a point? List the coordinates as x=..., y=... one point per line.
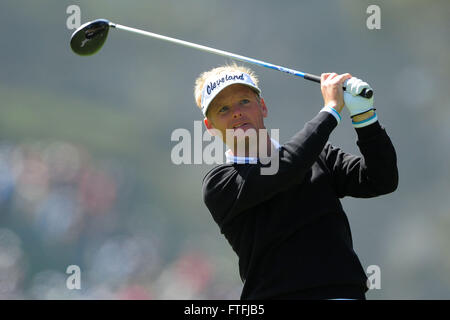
x=209, y=126
x=264, y=108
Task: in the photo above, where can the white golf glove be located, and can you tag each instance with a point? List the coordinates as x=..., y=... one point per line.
x=356, y=104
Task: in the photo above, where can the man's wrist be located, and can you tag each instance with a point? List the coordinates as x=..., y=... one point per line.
x=330, y=109
x=363, y=116
x=335, y=106
x=364, y=119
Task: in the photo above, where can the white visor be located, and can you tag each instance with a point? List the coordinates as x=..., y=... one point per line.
x=215, y=84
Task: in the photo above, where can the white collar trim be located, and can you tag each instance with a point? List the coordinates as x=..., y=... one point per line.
x=242, y=160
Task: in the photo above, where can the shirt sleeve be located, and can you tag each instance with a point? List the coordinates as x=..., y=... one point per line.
x=230, y=189
x=373, y=173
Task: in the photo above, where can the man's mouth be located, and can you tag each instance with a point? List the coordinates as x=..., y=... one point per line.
x=240, y=125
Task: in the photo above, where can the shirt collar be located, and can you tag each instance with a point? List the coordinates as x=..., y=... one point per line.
x=243, y=160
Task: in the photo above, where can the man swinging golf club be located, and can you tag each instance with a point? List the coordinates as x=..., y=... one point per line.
x=289, y=229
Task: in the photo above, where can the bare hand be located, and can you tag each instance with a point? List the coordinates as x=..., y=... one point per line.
x=331, y=86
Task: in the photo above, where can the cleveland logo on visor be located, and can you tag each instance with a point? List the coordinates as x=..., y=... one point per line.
x=213, y=85
x=219, y=82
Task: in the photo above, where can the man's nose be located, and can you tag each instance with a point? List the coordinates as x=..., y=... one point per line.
x=237, y=111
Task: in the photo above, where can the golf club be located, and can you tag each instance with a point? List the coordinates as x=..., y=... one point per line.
x=90, y=37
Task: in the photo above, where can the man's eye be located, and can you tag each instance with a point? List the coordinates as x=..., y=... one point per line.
x=245, y=101
x=223, y=109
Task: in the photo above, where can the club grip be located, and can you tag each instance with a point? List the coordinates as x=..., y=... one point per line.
x=364, y=93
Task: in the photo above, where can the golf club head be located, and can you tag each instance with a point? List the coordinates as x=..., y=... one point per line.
x=90, y=37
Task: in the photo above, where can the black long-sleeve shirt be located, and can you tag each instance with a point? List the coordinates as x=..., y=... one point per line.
x=289, y=229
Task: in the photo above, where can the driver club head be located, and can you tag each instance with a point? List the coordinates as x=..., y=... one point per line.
x=90, y=37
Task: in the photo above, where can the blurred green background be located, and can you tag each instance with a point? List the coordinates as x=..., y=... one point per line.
x=86, y=176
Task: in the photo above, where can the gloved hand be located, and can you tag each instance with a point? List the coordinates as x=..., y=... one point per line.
x=355, y=103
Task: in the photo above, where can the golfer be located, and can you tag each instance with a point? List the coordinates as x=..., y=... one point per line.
x=289, y=229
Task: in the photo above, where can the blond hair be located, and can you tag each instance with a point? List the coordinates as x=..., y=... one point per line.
x=200, y=81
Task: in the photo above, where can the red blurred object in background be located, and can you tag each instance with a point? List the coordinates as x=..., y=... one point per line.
x=97, y=191
x=134, y=292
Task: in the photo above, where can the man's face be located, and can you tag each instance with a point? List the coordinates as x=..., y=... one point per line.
x=236, y=107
